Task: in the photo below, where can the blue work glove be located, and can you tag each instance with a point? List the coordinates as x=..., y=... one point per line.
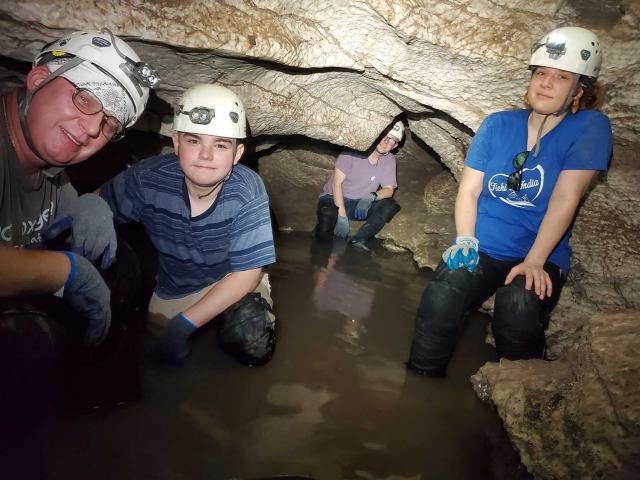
x=462, y=254
x=91, y=222
x=363, y=206
x=87, y=293
x=341, y=230
x=172, y=339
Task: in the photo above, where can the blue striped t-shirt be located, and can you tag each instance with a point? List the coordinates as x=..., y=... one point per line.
x=234, y=234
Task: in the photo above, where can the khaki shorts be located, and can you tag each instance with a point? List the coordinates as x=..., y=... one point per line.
x=161, y=310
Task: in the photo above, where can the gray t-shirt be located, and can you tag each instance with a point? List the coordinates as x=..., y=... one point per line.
x=26, y=210
x=362, y=178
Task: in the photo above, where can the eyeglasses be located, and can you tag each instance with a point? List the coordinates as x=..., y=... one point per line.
x=389, y=139
x=89, y=104
x=198, y=115
x=514, y=181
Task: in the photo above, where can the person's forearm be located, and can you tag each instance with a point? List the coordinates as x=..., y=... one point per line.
x=554, y=225
x=385, y=192
x=338, y=199
x=222, y=295
x=466, y=211
x=29, y=272
x=568, y=191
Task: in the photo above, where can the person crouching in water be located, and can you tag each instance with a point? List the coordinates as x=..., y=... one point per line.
x=524, y=176
x=209, y=220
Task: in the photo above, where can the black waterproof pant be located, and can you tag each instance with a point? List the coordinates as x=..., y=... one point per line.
x=41, y=360
x=519, y=321
x=381, y=212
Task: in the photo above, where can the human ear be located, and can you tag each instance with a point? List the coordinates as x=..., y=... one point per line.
x=239, y=152
x=175, y=136
x=36, y=76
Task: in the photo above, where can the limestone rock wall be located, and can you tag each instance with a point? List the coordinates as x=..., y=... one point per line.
x=578, y=417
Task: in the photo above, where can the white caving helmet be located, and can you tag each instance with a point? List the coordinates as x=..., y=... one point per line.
x=397, y=131
x=108, y=54
x=572, y=49
x=211, y=110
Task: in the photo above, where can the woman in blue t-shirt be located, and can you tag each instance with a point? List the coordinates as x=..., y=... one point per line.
x=524, y=176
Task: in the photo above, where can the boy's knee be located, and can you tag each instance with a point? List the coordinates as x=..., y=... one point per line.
x=247, y=330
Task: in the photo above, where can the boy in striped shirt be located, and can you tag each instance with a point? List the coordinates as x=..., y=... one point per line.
x=209, y=219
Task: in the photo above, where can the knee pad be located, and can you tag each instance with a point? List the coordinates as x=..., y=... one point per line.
x=327, y=217
x=385, y=208
x=517, y=324
x=247, y=330
x=28, y=333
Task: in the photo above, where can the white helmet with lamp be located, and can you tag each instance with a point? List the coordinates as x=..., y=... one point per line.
x=572, y=49
x=83, y=56
x=211, y=110
x=397, y=131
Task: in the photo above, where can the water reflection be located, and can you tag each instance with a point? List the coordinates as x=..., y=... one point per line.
x=337, y=291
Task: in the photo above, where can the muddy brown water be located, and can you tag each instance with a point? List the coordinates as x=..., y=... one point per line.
x=336, y=401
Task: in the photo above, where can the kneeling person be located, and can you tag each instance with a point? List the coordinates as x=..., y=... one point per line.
x=209, y=220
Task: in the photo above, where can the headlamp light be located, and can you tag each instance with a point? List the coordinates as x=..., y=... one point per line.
x=198, y=115
x=146, y=75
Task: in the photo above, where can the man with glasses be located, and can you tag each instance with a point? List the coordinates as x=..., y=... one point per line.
x=82, y=91
x=208, y=218
x=360, y=188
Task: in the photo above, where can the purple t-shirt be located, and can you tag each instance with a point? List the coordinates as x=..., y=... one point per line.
x=363, y=178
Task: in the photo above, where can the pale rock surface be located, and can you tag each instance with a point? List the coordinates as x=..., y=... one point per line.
x=578, y=417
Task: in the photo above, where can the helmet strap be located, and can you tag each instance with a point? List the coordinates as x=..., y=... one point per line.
x=234, y=145
x=572, y=93
x=539, y=136
x=25, y=102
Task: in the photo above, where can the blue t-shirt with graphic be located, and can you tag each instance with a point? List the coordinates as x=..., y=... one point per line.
x=508, y=221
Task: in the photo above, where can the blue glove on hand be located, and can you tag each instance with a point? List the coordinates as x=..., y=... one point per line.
x=341, y=230
x=172, y=339
x=463, y=254
x=87, y=293
x=91, y=223
x=363, y=206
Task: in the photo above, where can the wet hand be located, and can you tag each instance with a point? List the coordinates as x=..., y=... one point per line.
x=535, y=276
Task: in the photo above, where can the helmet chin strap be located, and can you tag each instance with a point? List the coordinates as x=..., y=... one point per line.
x=234, y=144
x=562, y=111
x=25, y=102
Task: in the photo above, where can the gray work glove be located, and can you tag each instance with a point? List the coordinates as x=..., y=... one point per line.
x=172, y=339
x=91, y=222
x=341, y=230
x=363, y=206
x=87, y=293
